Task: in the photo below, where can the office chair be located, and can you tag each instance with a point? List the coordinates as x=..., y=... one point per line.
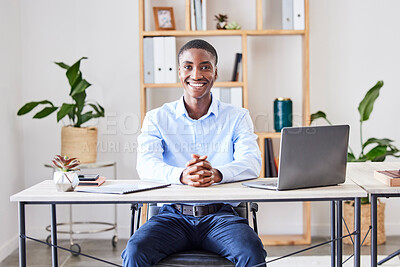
x=196, y=258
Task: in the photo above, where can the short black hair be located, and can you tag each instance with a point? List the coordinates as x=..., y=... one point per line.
x=199, y=44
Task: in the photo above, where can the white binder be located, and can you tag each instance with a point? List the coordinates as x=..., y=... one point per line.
x=298, y=15
x=158, y=48
x=236, y=96
x=170, y=60
x=287, y=14
x=148, y=60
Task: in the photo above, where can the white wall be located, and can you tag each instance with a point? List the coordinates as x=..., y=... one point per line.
x=353, y=44
x=10, y=134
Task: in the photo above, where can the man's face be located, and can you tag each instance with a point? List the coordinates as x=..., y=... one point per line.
x=197, y=72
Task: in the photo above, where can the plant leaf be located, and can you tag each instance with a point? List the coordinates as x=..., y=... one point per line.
x=350, y=157
x=45, y=112
x=317, y=115
x=64, y=110
x=381, y=142
x=73, y=72
x=367, y=104
x=62, y=65
x=31, y=105
x=376, y=152
x=80, y=87
x=87, y=116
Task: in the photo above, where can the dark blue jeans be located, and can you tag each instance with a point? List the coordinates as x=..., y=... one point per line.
x=223, y=232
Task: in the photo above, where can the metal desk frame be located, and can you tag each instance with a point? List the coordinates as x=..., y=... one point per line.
x=71, y=223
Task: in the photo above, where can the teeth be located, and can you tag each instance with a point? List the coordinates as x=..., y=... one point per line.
x=196, y=84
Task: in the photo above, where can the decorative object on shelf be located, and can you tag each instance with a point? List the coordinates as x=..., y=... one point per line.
x=77, y=141
x=233, y=26
x=282, y=113
x=383, y=147
x=164, y=18
x=65, y=177
x=222, y=21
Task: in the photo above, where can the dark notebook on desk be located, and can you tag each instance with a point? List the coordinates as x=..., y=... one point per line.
x=309, y=157
x=120, y=188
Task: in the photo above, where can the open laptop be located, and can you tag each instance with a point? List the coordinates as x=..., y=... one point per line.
x=309, y=157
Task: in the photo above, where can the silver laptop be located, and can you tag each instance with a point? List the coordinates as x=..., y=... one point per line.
x=309, y=157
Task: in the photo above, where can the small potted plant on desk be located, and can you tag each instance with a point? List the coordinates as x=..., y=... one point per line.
x=65, y=177
x=382, y=148
x=76, y=141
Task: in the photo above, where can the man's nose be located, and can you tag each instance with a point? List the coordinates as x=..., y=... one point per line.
x=196, y=74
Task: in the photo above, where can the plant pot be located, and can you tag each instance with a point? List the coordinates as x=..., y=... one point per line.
x=65, y=181
x=79, y=143
x=348, y=215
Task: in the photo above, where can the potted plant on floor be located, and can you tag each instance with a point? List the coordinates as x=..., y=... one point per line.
x=76, y=141
x=379, y=149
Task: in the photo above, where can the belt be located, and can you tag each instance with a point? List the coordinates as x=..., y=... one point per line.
x=197, y=211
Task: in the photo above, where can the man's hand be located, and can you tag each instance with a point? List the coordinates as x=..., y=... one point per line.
x=200, y=173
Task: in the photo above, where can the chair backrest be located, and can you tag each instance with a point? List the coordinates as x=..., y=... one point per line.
x=241, y=210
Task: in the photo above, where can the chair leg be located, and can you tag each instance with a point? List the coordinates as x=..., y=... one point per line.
x=135, y=207
x=254, y=209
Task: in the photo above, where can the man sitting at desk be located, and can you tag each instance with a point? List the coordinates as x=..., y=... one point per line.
x=197, y=141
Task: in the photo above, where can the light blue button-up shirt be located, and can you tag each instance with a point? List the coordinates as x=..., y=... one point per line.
x=225, y=134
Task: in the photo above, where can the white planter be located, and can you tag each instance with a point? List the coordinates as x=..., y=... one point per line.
x=65, y=181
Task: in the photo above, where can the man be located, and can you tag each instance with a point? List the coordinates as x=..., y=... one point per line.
x=197, y=141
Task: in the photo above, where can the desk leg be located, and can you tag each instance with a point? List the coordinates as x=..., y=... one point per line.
x=333, y=234
x=357, y=228
x=339, y=233
x=22, y=240
x=54, y=236
x=374, y=232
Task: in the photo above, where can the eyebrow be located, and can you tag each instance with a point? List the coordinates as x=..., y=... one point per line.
x=201, y=63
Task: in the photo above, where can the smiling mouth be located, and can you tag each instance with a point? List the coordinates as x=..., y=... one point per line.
x=196, y=84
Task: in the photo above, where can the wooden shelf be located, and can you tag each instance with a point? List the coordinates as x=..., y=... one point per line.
x=222, y=33
x=268, y=135
x=179, y=85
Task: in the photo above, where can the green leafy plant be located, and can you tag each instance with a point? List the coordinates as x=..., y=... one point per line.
x=379, y=149
x=65, y=164
x=75, y=111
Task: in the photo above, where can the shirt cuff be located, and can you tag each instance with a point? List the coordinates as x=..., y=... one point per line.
x=175, y=176
x=227, y=175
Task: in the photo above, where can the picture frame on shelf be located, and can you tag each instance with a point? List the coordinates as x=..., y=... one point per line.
x=164, y=18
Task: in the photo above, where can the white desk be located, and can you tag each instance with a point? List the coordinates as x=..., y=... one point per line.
x=363, y=175
x=45, y=193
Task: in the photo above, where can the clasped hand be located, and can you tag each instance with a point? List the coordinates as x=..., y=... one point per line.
x=200, y=173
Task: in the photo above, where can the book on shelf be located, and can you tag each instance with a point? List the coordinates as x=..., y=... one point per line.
x=298, y=15
x=192, y=16
x=204, y=15
x=99, y=181
x=237, y=67
x=148, y=62
x=287, y=14
x=228, y=95
x=388, y=177
x=197, y=13
x=270, y=162
x=164, y=59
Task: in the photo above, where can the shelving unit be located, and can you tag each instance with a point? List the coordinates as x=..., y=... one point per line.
x=305, y=237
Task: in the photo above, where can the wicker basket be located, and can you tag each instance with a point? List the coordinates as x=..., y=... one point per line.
x=348, y=215
x=79, y=143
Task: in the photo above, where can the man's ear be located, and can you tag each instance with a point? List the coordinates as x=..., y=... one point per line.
x=216, y=72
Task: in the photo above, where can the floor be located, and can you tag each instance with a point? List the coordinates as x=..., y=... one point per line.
x=40, y=254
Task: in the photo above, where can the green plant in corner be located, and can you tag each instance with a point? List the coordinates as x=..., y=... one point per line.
x=379, y=148
x=383, y=147
x=75, y=111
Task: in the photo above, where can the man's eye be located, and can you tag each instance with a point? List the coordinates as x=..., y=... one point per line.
x=187, y=67
x=206, y=67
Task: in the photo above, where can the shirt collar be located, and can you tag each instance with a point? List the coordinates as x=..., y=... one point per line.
x=181, y=110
